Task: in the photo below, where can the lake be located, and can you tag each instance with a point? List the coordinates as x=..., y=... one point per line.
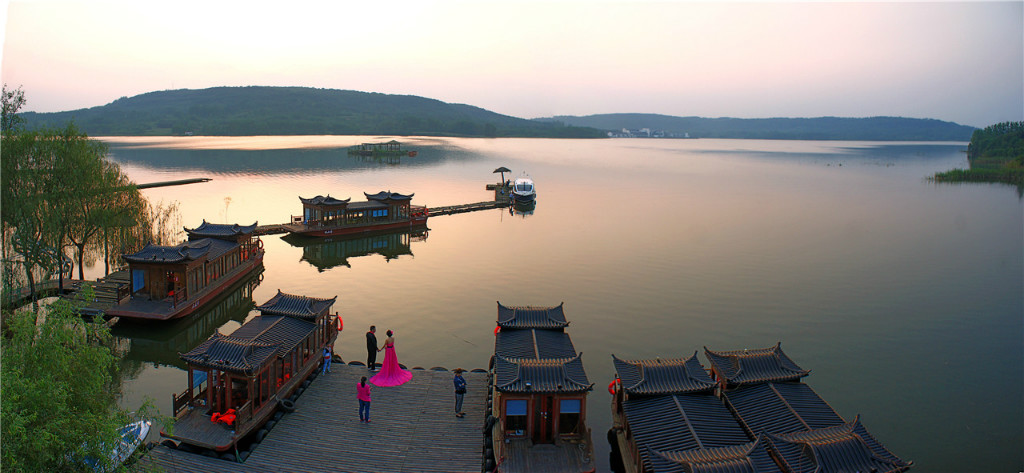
x=903, y=297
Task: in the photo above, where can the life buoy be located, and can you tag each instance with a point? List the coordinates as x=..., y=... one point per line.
x=341, y=324
x=611, y=386
x=496, y=330
x=259, y=244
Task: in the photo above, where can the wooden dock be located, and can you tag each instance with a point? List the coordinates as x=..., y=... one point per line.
x=413, y=429
x=462, y=208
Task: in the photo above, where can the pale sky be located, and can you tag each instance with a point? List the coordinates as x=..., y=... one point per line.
x=960, y=62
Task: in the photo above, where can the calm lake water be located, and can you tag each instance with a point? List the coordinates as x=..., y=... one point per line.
x=902, y=296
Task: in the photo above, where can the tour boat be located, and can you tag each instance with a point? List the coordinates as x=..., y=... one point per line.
x=328, y=216
x=539, y=390
x=169, y=282
x=523, y=190
x=237, y=382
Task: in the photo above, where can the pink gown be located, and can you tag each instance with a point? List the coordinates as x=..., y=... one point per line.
x=390, y=373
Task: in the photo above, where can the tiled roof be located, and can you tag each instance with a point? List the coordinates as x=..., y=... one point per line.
x=531, y=317
x=521, y=375
x=778, y=408
x=296, y=306
x=754, y=366
x=679, y=422
x=533, y=344
x=232, y=354
x=321, y=200
x=840, y=448
x=663, y=376
x=750, y=457
x=368, y=205
x=282, y=330
x=205, y=248
x=213, y=230
x=383, y=195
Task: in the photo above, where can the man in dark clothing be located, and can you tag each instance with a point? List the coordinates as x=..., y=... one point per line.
x=460, y=391
x=371, y=348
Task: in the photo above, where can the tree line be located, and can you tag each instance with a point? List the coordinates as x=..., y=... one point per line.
x=59, y=372
x=995, y=154
x=245, y=111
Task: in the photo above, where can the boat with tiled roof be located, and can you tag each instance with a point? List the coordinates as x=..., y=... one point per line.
x=237, y=382
x=539, y=389
x=173, y=281
x=327, y=216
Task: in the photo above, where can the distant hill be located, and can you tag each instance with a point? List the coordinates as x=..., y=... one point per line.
x=243, y=111
x=824, y=128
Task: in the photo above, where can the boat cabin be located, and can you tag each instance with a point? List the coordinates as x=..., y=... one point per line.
x=380, y=211
x=248, y=373
x=181, y=274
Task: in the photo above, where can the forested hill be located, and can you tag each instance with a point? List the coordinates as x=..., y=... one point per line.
x=241, y=111
x=824, y=128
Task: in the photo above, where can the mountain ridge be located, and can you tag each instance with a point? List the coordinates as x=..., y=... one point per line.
x=263, y=110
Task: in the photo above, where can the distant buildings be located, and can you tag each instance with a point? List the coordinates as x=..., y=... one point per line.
x=645, y=133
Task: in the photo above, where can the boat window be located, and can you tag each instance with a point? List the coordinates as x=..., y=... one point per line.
x=515, y=416
x=569, y=416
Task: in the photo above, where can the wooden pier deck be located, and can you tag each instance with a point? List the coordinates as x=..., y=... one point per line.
x=413, y=429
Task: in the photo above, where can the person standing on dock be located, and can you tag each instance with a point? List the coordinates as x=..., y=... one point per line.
x=371, y=348
x=460, y=391
x=363, y=394
x=327, y=359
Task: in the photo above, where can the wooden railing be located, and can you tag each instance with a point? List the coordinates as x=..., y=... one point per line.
x=180, y=401
x=243, y=416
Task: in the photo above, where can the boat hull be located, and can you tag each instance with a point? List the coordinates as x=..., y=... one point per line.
x=353, y=230
x=167, y=311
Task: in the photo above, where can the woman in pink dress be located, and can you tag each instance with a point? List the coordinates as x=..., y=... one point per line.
x=390, y=373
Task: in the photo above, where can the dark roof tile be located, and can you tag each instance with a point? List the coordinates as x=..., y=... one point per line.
x=663, y=376
x=527, y=317
x=296, y=306
x=524, y=375
x=754, y=366
x=750, y=457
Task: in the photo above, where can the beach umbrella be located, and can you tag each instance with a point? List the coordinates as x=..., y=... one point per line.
x=502, y=170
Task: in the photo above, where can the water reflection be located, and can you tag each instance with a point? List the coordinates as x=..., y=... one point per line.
x=327, y=253
x=160, y=343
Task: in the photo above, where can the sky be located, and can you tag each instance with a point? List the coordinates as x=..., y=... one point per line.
x=959, y=62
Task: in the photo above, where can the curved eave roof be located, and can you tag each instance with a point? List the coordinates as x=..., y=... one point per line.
x=750, y=457
x=663, y=376
x=527, y=317
x=755, y=366
x=295, y=305
x=384, y=195
x=845, y=447
x=565, y=375
x=207, y=229
x=321, y=200
x=230, y=354
x=184, y=252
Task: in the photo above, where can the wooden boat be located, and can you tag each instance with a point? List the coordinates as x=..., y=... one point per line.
x=540, y=391
x=251, y=373
x=390, y=149
x=327, y=216
x=168, y=282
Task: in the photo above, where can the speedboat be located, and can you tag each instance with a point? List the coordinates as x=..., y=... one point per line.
x=132, y=435
x=523, y=189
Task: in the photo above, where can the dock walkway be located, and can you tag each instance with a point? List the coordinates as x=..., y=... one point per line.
x=413, y=429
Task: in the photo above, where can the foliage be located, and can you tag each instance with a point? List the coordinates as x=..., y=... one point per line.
x=58, y=191
x=996, y=154
x=237, y=111
x=13, y=100
x=60, y=386
x=822, y=128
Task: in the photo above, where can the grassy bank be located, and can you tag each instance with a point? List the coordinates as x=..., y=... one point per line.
x=996, y=154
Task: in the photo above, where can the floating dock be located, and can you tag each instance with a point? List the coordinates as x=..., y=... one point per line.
x=413, y=428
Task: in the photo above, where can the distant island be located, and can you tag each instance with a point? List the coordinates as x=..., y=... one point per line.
x=996, y=154
x=248, y=111
x=822, y=128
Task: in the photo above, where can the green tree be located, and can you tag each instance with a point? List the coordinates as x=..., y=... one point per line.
x=59, y=391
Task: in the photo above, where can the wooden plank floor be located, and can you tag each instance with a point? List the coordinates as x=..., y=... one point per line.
x=413, y=429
